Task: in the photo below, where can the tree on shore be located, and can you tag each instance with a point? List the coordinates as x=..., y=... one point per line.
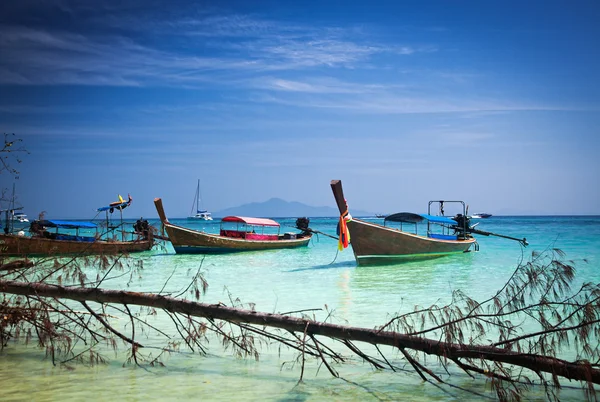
x=10, y=155
x=11, y=152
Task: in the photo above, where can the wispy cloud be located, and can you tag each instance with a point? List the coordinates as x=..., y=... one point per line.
x=32, y=110
x=316, y=85
x=387, y=101
x=128, y=50
x=238, y=26
x=314, y=52
x=282, y=63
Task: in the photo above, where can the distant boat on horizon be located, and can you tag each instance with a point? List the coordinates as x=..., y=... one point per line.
x=201, y=214
x=481, y=215
x=20, y=217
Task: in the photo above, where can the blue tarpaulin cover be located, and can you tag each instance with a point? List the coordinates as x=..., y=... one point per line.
x=118, y=206
x=409, y=217
x=439, y=219
x=68, y=224
x=121, y=204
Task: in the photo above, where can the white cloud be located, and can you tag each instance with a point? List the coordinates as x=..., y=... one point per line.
x=287, y=64
x=170, y=53
x=389, y=101
x=315, y=85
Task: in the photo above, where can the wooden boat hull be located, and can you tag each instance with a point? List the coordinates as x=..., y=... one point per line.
x=188, y=241
x=12, y=245
x=377, y=244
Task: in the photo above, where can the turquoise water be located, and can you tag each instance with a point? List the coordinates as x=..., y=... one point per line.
x=316, y=277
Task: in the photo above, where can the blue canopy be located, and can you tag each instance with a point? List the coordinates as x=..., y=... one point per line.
x=122, y=205
x=439, y=219
x=409, y=217
x=68, y=224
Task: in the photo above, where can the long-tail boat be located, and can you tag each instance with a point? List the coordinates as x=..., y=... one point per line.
x=381, y=244
x=50, y=238
x=237, y=233
x=61, y=237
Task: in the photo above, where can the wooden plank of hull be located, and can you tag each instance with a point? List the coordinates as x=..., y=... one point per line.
x=11, y=245
x=376, y=244
x=191, y=241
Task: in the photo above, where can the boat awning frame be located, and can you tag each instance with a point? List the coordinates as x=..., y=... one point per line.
x=250, y=221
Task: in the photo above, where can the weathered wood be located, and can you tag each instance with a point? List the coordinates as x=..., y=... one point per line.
x=161, y=211
x=338, y=194
x=570, y=370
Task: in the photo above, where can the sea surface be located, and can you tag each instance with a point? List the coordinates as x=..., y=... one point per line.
x=326, y=283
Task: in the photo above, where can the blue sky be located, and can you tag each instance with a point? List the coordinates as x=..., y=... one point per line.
x=494, y=103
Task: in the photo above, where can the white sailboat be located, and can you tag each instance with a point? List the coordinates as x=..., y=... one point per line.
x=11, y=215
x=20, y=217
x=201, y=214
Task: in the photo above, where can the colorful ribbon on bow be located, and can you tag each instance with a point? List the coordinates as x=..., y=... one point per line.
x=344, y=233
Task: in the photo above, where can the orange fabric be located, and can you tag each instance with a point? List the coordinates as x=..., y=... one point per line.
x=344, y=238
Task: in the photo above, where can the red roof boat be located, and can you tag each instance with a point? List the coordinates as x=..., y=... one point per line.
x=243, y=234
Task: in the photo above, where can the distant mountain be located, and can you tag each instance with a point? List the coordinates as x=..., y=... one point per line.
x=278, y=208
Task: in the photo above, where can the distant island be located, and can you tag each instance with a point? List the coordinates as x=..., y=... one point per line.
x=278, y=208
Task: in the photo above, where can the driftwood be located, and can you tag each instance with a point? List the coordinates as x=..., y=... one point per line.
x=569, y=370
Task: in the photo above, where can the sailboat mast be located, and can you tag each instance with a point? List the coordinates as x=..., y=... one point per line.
x=12, y=212
x=195, y=201
x=198, y=197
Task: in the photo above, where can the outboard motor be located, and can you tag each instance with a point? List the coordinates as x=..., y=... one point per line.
x=462, y=220
x=462, y=224
x=36, y=228
x=302, y=224
x=142, y=226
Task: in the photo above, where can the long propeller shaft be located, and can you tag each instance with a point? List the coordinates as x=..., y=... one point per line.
x=523, y=241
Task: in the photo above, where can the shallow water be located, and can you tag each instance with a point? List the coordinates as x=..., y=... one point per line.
x=316, y=277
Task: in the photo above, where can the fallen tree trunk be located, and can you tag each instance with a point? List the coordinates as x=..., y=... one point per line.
x=537, y=363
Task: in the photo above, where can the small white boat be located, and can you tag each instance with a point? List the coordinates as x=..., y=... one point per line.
x=20, y=217
x=481, y=215
x=201, y=214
